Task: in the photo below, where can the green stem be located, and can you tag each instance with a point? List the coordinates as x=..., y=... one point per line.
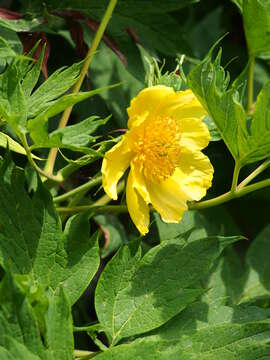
x=255, y=173
x=57, y=178
x=93, y=327
x=80, y=189
x=66, y=114
x=115, y=209
x=212, y=202
x=250, y=84
x=118, y=209
x=235, y=177
x=230, y=195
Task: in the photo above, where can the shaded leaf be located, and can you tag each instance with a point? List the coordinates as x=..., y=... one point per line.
x=114, y=233
x=257, y=28
x=258, y=282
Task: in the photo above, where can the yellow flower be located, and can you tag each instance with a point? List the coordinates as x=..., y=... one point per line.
x=162, y=148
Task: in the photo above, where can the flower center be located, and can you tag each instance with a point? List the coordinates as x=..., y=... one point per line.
x=156, y=144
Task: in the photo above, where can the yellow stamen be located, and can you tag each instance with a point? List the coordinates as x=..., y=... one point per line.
x=156, y=145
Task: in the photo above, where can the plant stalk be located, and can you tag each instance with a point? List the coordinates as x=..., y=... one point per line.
x=254, y=173
x=57, y=178
x=118, y=209
x=66, y=114
x=115, y=209
x=80, y=189
x=230, y=195
x=235, y=177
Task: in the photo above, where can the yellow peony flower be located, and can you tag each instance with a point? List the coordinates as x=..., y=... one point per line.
x=162, y=148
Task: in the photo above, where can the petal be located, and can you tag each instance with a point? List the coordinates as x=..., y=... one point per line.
x=168, y=199
x=194, y=134
x=114, y=164
x=137, y=207
x=147, y=102
x=183, y=104
x=194, y=174
x=139, y=183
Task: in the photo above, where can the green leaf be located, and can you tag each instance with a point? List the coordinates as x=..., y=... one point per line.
x=209, y=83
x=260, y=124
x=78, y=135
x=154, y=289
x=75, y=137
x=31, y=238
x=57, y=84
x=12, y=102
x=198, y=225
x=16, y=350
x=78, y=260
x=18, y=324
x=114, y=279
x=215, y=136
x=8, y=41
x=107, y=68
x=32, y=75
x=12, y=40
x=222, y=284
x=7, y=142
x=228, y=342
x=38, y=127
x=257, y=28
x=151, y=21
x=211, y=20
x=59, y=334
x=17, y=318
x=203, y=331
x=258, y=282
x=247, y=144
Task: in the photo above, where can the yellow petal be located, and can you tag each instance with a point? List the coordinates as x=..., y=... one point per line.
x=139, y=183
x=114, y=164
x=147, y=102
x=137, y=207
x=194, y=174
x=194, y=134
x=183, y=104
x=168, y=199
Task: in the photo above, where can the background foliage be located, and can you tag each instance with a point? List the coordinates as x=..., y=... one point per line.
x=85, y=285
